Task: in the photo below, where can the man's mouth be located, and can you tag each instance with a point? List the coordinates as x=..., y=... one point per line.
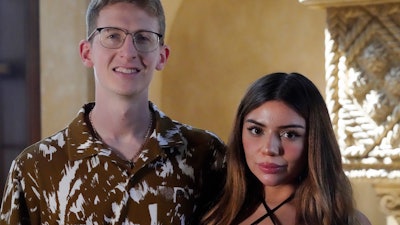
x=126, y=70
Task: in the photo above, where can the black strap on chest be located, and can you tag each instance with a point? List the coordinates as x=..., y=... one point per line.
x=270, y=212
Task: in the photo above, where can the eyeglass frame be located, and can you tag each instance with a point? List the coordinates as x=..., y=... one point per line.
x=99, y=29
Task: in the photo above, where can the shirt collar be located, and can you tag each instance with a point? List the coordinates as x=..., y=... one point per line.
x=81, y=141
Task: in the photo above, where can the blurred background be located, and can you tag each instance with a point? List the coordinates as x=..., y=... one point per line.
x=218, y=48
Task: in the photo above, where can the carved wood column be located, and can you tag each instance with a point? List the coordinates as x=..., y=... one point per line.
x=363, y=91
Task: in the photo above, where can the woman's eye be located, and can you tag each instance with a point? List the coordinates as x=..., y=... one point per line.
x=289, y=134
x=255, y=130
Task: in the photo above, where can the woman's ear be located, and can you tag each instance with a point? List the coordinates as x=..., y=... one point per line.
x=85, y=53
x=164, y=54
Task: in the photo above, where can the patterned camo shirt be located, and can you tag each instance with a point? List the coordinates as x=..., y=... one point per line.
x=74, y=178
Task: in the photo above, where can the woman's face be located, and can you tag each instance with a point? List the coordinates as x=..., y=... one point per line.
x=274, y=137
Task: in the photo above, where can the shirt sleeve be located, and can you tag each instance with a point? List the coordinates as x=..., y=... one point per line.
x=13, y=207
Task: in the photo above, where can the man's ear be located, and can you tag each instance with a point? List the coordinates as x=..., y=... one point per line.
x=164, y=54
x=85, y=53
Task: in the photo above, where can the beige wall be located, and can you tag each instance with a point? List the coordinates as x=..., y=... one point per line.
x=217, y=49
x=64, y=81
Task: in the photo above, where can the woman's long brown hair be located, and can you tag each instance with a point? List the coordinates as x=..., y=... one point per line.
x=324, y=195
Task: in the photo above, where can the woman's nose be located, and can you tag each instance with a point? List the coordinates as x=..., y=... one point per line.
x=271, y=145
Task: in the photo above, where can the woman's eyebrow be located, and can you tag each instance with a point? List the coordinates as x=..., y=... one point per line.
x=255, y=122
x=282, y=127
x=293, y=126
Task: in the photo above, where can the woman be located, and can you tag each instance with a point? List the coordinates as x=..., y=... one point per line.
x=283, y=161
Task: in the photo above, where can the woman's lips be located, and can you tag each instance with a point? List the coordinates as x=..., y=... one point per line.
x=271, y=168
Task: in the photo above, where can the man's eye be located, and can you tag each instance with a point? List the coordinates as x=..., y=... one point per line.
x=114, y=36
x=145, y=39
x=141, y=37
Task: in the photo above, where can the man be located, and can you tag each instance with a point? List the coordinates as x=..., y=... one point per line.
x=121, y=160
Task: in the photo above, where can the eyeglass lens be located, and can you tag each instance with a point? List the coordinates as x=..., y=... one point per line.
x=144, y=41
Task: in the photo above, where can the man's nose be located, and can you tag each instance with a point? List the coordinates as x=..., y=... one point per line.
x=128, y=47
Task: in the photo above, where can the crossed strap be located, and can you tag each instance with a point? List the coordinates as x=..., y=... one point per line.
x=270, y=212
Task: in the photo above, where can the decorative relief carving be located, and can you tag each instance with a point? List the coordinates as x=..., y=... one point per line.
x=363, y=87
x=389, y=199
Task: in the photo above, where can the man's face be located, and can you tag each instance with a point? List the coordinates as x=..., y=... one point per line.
x=123, y=71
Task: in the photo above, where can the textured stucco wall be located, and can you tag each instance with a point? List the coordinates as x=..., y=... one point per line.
x=64, y=80
x=219, y=47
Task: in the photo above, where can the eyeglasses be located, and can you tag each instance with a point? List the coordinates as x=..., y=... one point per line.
x=112, y=37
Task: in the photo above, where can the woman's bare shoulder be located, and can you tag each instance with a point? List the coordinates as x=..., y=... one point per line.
x=363, y=219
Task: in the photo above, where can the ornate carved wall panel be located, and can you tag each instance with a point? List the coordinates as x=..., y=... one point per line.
x=363, y=91
x=363, y=87
x=389, y=200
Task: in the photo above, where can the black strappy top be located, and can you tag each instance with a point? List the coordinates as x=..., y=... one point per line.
x=270, y=212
